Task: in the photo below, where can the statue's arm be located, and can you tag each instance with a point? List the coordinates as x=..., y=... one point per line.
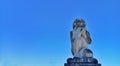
x=71, y=38
x=71, y=35
x=89, y=40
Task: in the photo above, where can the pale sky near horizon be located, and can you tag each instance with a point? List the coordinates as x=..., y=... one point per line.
x=36, y=32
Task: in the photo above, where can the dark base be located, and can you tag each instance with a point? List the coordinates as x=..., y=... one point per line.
x=82, y=62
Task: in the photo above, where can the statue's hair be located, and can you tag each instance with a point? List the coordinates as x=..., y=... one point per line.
x=78, y=20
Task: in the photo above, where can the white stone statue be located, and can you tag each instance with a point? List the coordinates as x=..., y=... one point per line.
x=80, y=38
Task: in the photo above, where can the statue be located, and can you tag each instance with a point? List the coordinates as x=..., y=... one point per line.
x=80, y=38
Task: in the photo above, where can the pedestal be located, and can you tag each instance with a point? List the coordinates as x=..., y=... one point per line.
x=82, y=62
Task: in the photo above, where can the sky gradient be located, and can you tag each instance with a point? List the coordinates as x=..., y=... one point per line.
x=36, y=32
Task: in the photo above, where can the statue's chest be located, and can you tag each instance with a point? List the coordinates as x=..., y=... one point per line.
x=76, y=33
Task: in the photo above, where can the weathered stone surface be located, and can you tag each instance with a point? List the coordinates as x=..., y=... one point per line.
x=80, y=38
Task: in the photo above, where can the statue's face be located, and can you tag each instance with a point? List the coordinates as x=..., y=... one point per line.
x=79, y=24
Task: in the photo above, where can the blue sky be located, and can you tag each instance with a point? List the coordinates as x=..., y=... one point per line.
x=36, y=32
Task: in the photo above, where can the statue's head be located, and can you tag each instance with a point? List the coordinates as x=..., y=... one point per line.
x=79, y=23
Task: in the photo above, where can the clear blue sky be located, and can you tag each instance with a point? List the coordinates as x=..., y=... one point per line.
x=36, y=32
